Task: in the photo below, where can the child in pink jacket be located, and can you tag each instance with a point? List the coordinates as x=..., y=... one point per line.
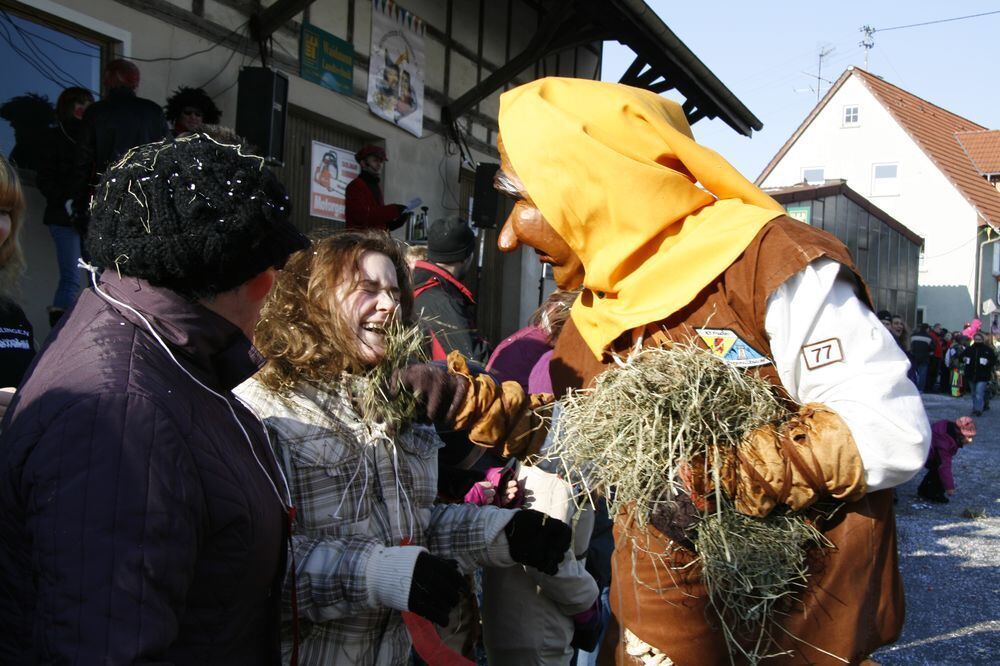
x=947, y=437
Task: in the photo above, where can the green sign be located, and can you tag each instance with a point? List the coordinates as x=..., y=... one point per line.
x=326, y=60
x=800, y=212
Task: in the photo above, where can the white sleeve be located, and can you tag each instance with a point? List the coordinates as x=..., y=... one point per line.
x=829, y=348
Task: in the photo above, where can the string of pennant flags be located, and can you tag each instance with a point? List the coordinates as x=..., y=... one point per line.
x=403, y=16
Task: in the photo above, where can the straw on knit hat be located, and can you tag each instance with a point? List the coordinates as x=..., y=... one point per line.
x=193, y=215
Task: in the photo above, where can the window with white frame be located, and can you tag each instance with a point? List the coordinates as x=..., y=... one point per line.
x=812, y=175
x=851, y=116
x=885, y=180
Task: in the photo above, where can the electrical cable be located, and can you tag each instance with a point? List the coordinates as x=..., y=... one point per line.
x=214, y=45
x=41, y=67
x=42, y=54
x=94, y=53
x=222, y=39
x=232, y=54
x=243, y=60
x=917, y=25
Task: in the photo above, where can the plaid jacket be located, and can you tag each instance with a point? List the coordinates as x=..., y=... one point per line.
x=360, y=489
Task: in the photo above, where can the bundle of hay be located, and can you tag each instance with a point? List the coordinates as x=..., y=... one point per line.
x=665, y=417
x=379, y=400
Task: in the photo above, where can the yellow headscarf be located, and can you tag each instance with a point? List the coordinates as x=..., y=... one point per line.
x=613, y=170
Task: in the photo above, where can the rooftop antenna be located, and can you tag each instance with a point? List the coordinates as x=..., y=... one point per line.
x=824, y=51
x=867, y=42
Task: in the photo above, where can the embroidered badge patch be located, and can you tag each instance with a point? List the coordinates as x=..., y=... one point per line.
x=822, y=353
x=731, y=348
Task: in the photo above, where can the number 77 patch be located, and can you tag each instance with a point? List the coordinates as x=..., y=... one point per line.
x=822, y=353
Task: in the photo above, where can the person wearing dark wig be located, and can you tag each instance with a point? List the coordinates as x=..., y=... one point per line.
x=55, y=181
x=29, y=116
x=143, y=517
x=190, y=108
x=120, y=121
x=365, y=206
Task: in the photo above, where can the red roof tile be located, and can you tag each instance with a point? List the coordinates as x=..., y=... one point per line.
x=983, y=148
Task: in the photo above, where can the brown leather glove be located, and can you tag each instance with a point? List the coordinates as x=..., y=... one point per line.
x=495, y=415
x=812, y=455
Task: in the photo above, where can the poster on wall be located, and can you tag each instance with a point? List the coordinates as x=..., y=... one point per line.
x=332, y=169
x=326, y=59
x=396, y=67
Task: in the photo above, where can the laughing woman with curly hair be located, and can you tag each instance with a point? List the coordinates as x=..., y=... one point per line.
x=370, y=542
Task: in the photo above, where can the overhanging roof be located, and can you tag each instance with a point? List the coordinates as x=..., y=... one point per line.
x=662, y=60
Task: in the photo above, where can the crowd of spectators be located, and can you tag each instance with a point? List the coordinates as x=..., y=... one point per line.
x=956, y=362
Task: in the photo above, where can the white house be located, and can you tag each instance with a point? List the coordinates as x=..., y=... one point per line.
x=912, y=159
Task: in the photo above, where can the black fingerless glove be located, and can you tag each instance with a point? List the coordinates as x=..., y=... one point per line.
x=538, y=540
x=435, y=587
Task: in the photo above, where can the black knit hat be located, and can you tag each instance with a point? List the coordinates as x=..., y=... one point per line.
x=450, y=240
x=193, y=215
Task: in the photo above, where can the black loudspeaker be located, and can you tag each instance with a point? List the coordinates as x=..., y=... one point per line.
x=486, y=200
x=261, y=105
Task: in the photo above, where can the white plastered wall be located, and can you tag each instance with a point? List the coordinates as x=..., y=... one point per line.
x=927, y=201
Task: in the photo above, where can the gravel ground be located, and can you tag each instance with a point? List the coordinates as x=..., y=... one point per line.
x=950, y=559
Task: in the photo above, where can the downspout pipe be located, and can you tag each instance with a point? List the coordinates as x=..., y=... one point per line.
x=977, y=305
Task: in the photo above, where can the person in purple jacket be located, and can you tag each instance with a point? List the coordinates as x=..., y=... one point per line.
x=143, y=517
x=947, y=437
x=517, y=357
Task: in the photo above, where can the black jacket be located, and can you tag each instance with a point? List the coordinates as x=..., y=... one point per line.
x=136, y=525
x=978, y=362
x=110, y=128
x=921, y=348
x=57, y=169
x=447, y=309
x=17, y=343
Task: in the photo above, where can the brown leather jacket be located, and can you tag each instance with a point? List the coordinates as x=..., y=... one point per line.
x=854, y=602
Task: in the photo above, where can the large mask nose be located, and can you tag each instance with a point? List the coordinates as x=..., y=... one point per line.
x=507, y=240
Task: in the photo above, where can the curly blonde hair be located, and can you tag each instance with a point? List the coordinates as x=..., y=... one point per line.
x=11, y=257
x=300, y=335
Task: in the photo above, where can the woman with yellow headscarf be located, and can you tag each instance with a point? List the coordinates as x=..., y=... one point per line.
x=671, y=243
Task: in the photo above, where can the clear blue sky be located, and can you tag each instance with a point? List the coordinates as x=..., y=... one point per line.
x=767, y=54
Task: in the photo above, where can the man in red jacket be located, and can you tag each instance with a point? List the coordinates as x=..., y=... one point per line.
x=366, y=209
